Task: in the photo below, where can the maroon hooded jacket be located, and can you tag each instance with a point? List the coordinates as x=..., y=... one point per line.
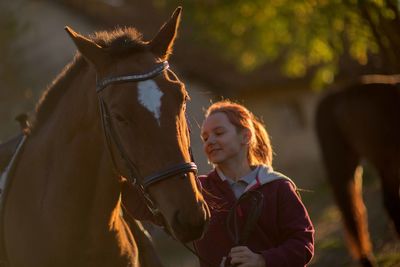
x=284, y=234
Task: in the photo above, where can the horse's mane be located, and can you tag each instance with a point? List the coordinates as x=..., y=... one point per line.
x=117, y=43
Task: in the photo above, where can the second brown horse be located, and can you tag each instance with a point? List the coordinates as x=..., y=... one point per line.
x=362, y=121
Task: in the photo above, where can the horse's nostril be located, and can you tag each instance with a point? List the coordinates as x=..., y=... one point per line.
x=188, y=228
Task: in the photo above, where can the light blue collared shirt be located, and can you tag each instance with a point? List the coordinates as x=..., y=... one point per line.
x=239, y=186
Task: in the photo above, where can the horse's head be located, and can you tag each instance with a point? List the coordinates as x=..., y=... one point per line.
x=142, y=106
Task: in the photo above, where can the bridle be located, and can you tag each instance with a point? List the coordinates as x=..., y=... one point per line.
x=134, y=176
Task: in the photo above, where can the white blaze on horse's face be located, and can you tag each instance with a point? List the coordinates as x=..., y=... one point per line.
x=149, y=95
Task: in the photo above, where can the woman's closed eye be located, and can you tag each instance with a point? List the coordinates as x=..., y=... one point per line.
x=218, y=133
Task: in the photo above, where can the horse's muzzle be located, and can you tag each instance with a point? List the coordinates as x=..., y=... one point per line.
x=188, y=228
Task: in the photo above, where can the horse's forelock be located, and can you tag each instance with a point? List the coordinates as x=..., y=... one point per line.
x=120, y=40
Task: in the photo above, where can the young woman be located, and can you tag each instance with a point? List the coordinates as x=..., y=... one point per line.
x=257, y=216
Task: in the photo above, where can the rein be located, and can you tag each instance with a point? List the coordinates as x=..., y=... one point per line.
x=254, y=199
x=238, y=235
x=111, y=136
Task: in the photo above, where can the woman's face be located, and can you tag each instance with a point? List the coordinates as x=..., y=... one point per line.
x=221, y=141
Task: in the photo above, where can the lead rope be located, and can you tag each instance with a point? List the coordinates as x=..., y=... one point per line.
x=254, y=199
x=240, y=236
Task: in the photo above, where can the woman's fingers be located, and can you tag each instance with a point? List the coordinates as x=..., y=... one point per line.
x=239, y=249
x=239, y=258
x=244, y=257
x=240, y=255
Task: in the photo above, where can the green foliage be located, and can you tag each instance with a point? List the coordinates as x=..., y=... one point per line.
x=300, y=35
x=389, y=259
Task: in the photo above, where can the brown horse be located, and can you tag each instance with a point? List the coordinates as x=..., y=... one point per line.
x=362, y=122
x=115, y=115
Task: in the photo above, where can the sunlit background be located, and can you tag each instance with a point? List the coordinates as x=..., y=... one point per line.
x=276, y=57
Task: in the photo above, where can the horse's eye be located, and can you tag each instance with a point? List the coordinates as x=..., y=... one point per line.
x=119, y=117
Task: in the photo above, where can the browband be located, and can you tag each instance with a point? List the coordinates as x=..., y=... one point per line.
x=132, y=78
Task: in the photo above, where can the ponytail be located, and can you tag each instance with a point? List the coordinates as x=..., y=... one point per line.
x=260, y=150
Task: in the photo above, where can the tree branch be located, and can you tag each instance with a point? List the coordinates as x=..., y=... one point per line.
x=385, y=52
x=393, y=6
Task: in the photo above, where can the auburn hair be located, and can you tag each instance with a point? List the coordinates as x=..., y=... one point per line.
x=260, y=150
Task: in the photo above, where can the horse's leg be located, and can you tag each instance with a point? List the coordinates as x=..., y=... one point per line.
x=390, y=178
x=345, y=177
x=346, y=183
x=148, y=256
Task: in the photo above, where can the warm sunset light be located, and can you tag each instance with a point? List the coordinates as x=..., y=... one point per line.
x=144, y=130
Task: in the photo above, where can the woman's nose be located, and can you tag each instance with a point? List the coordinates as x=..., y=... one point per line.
x=210, y=140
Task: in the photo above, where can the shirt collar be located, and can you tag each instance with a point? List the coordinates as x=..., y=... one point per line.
x=248, y=178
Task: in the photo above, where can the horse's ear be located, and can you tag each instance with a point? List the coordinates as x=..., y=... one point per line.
x=89, y=49
x=162, y=43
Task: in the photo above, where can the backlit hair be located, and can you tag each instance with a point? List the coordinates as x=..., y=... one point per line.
x=260, y=150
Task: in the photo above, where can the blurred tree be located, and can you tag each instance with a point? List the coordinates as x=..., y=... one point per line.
x=8, y=33
x=301, y=35
x=12, y=94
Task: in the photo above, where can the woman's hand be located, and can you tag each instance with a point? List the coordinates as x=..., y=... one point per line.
x=243, y=257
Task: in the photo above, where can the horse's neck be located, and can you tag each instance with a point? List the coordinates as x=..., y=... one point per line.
x=78, y=153
x=66, y=174
x=72, y=140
